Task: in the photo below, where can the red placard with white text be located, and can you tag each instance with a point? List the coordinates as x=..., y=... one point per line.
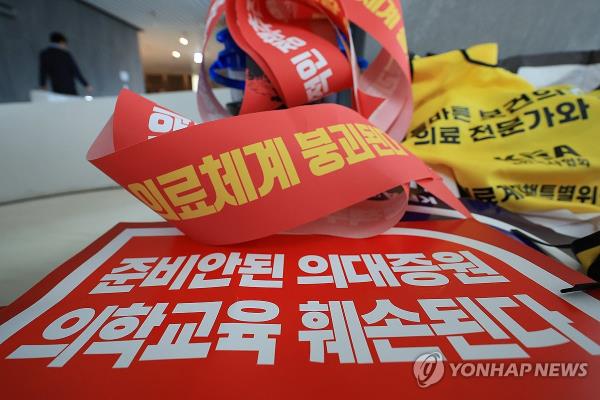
x=146, y=312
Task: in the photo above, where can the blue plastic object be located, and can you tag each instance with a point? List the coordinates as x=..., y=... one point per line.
x=361, y=61
x=231, y=58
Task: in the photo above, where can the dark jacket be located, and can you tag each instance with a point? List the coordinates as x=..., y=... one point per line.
x=58, y=65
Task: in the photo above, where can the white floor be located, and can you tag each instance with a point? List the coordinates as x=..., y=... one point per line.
x=37, y=236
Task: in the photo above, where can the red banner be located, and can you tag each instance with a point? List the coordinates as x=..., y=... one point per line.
x=427, y=309
x=295, y=43
x=309, y=168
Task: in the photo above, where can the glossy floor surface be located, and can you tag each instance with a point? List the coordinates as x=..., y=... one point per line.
x=37, y=236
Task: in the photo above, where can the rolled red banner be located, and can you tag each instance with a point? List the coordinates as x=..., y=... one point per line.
x=241, y=178
x=296, y=44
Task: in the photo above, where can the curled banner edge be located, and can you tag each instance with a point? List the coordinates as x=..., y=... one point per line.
x=103, y=148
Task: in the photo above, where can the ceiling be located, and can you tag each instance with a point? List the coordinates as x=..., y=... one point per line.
x=162, y=23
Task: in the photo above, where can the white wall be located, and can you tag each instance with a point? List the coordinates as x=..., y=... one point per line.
x=43, y=145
